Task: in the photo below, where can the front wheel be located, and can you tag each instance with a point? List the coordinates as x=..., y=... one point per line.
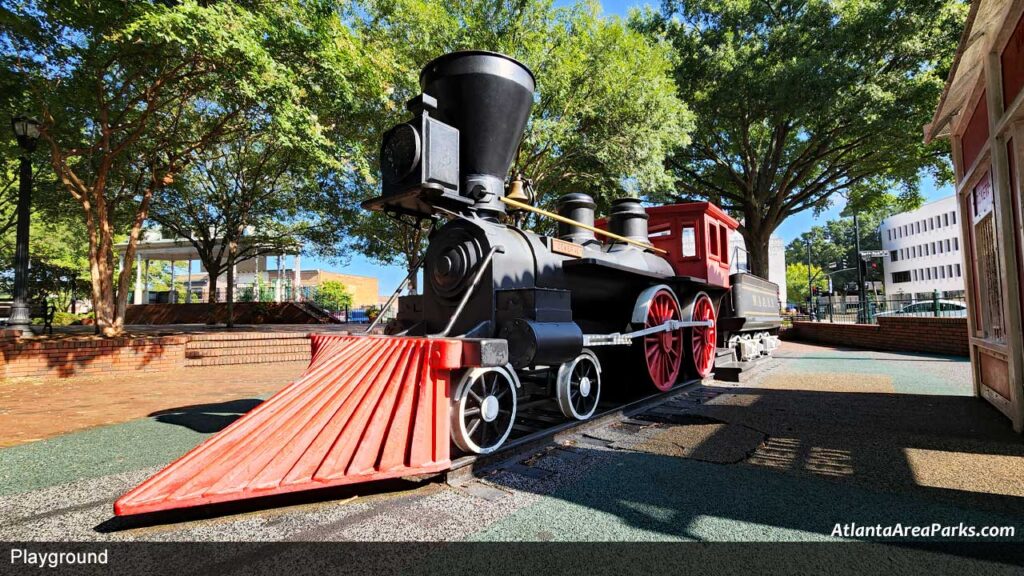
x=484, y=409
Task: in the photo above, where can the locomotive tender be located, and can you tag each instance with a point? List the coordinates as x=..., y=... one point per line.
x=506, y=315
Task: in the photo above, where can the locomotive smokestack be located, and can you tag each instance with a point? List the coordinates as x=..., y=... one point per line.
x=488, y=97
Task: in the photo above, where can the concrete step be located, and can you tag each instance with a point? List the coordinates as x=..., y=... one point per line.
x=216, y=349
x=228, y=360
x=255, y=352
x=264, y=343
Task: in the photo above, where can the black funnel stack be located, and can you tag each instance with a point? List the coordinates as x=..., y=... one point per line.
x=487, y=97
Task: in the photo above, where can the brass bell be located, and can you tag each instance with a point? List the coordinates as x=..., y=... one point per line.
x=517, y=190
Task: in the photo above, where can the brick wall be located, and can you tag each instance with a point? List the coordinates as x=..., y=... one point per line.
x=65, y=357
x=89, y=355
x=909, y=334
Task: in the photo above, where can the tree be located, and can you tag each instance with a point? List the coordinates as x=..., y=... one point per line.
x=796, y=280
x=606, y=118
x=130, y=92
x=797, y=101
x=333, y=296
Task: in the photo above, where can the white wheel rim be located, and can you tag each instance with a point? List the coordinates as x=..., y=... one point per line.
x=587, y=387
x=470, y=413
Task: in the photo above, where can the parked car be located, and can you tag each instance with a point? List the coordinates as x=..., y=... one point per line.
x=358, y=317
x=947, y=309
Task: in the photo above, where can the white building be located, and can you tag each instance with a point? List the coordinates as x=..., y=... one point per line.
x=923, y=252
x=776, y=261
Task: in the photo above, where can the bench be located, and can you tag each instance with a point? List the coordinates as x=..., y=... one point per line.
x=43, y=311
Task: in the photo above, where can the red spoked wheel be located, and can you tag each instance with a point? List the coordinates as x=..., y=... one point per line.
x=663, y=351
x=703, y=339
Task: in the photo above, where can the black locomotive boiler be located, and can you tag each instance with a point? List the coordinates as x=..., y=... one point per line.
x=638, y=290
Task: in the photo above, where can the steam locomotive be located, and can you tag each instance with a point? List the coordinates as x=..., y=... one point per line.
x=506, y=315
x=642, y=297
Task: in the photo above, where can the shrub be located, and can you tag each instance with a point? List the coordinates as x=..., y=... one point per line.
x=67, y=318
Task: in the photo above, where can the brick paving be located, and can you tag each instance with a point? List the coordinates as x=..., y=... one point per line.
x=33, y=409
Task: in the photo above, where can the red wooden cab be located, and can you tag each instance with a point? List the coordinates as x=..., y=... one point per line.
x=696, y=237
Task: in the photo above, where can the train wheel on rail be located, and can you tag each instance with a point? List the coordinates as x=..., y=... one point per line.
x=579, y=386
x=702, y=340
x=484, y=409
x=663, y=351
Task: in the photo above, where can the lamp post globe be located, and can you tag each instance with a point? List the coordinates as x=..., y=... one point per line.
x=26, y=131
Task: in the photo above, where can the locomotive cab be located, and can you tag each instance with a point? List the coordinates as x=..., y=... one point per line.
x=695, y=237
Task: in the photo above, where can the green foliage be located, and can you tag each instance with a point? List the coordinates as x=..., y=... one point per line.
x=796, y=281
x=333, y=295
x=133, y=93
x=263, y=191
x=606, y=116
x=67, y=318
x=799, y=101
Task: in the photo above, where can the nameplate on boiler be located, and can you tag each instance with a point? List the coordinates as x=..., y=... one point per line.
x=566, y=248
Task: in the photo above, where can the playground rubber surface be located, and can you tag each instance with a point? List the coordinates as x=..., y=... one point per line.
x=821, y=436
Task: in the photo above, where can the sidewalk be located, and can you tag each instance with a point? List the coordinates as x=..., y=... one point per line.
x=33, y=409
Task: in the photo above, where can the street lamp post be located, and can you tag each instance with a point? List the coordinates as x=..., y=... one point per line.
x=26, y=130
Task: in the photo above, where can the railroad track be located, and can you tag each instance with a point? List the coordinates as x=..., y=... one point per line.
x=540, y=422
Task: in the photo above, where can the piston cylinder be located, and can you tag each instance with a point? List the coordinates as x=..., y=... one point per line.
x=541, y=343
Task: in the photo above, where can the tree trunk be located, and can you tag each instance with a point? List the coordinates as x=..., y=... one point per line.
x=211, y=295
x=413, y=280
x=757, y=241
x=230, y=296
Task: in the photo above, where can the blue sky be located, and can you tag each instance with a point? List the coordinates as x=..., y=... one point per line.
x=390, y=276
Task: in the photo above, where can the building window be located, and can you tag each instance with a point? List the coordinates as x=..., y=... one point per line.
x=957, y=270
x=953, y=216
x=956, y=243
x=915, y=275
x=893, y=255
x=941, y=248
x=900, y=277
x=945, y=219
x=933, y=248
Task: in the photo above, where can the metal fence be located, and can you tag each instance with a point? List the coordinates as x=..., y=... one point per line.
x=868, y=312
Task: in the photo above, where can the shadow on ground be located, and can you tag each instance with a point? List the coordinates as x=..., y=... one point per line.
x=821, y=459
x=207, y=418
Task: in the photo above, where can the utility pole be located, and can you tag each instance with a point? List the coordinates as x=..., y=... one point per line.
x=810, y=283
x=861, y=304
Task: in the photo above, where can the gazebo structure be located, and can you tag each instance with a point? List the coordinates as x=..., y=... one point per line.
x=982, y=113
x=154, y=248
